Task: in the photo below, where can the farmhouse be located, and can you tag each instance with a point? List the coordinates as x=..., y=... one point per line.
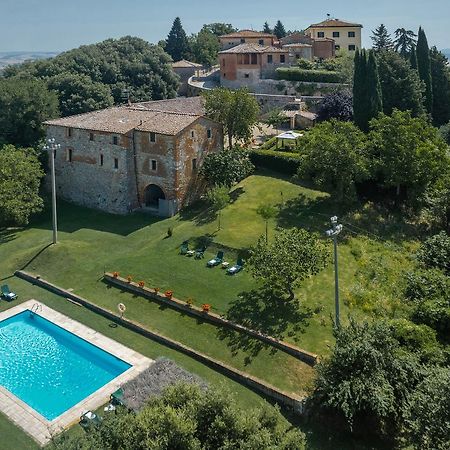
x=231, y=40
x=140, y=156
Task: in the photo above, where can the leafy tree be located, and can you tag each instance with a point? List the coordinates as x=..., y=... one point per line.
x=279, y=30
x=435, y=252
x=24, y=105
x=428, y=416
x=187, y=418
x=381, y=39
x=436, y=314
x=400, y=84
x=266, y=28
x=336, y=105
x=227, y=167
x=294, y=256
x=404, y=41
x=427, y=284
x=236, y=110
x=407, y=152
x=79, y=94
x=20, y=178
x=445, y=133
x=440, y=75
x=267, y=212
x=177, y=45
x=424, y=68
x=218, y=197
x=368, y=378
x=276, y=118
x=205, y=47
x=437, y=203
x=219, y=29
x=334, y=158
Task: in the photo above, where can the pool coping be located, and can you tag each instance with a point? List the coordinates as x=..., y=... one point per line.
x=37, y=426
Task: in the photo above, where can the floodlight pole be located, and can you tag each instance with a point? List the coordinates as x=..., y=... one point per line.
x=52, y=147
x=334, y=233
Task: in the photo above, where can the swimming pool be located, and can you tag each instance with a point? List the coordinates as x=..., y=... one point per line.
x=48, y=367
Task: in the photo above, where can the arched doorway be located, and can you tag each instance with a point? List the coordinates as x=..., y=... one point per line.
x=152, y=195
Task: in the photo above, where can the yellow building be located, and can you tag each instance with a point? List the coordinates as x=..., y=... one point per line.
x=347, y=36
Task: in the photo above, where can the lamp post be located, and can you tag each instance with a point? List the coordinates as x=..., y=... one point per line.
x=52, y=147
x=334, y=233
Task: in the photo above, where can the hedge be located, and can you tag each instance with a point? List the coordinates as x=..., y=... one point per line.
x=315, y=76
x=283, y=162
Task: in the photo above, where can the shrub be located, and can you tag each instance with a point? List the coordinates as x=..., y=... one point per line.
x=317, y=76
x=445, y=132
x=435, y=252
x=427, y=285
x=336, y=105
x=435, y=314
x=283, y=162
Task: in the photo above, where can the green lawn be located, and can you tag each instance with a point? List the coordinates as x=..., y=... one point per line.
x=92, y=242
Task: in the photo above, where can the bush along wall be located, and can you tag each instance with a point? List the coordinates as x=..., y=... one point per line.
x=282, y=162
x=315, y=76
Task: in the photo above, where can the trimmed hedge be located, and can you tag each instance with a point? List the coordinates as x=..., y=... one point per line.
x=315, y=76
x=283, y=162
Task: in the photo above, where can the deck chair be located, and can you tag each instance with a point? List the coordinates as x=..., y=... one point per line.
x=216, y=261
x=7, y=294
x=236, y=268
x=200, y=252
x=89, y=419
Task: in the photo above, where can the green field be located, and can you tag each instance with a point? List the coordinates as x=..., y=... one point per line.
x=92, y=242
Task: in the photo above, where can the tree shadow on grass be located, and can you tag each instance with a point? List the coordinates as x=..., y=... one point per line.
x=199, y=213
x=7, y=235
x=265, y=311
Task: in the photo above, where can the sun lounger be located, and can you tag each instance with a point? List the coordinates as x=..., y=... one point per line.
x=7, y=294
x=236, y=268
x=215, y=261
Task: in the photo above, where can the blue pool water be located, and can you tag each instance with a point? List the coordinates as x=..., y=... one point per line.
x=50, y=368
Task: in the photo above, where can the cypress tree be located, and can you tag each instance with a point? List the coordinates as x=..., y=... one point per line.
x=440, y=75
x=177, y=45
x=360, y=91
x=413, y=58
x=374, y=95
x=424, y=68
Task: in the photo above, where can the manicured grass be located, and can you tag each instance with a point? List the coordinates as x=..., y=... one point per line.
x=14, y=439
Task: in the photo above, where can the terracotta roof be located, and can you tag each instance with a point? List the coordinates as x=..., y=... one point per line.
x=247, y=33
x=334, y=23
x=163, y=117
x=295, y=45
x=253, y=48
x=184, y=63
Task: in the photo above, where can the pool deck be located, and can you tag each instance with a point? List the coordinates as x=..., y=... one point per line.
x=33, y=423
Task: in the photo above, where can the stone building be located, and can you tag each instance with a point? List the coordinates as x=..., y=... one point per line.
x=231, y=40
x=300, y=45
x=247, y=64
x=347, y=36
x=144, y=155
x=185, y=70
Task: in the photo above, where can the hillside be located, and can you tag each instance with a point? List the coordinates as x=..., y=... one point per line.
x=8, y=58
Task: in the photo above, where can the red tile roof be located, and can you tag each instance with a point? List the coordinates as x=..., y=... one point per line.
x=334, y=23
x=253, y=48
x=248, y=33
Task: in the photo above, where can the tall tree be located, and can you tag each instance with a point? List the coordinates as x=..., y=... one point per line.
x=424, y=68
x=440, y=76
x=266, y=28
x=20, y=178
x=219, y=29
x=205, y=47
x=375, y=97
x=24, y=105
x=413, y=58
x=381, y=39
x=360, y=92
x=279, y=30
x=177, y=45
x=236, y=110
x=404, y=41
x=400, y=84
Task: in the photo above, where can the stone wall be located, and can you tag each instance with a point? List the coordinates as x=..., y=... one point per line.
x=85, y=180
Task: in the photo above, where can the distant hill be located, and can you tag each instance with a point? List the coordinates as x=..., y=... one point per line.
x=8, y=58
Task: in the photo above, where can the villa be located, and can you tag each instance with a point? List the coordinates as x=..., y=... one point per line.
x=231, y=40
x=139, y=156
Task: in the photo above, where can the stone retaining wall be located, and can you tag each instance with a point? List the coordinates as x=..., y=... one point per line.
x=292, y=401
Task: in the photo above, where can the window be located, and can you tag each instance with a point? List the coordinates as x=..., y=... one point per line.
x=261, y=42
x=247, y=75
x=351, y=48
x=101, y=160
x=254, y=58
x=269, y=59
x=154, y=164
x=282, y=59
x=69, y=155
x=320, y=34
x=242, y=41
x=336, y=34
x=192, y=134
x=246, y=58
x=351, y=34
x=91, y=136
x=116, y=163
x=69, y=132
x=337, y=47
x=223, y=62
x=224, y=75
x=115, y=140
x=209, y=133
x=194, y=164
x=152, y=137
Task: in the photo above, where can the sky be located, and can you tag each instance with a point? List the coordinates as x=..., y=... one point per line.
x=58, y=25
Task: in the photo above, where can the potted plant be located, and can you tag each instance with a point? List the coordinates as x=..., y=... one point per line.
x=206, y=307
x=190, y=302
x=129, y=278
x=115, y=274
x=156, y=289
x=141, y=284
x=168, y=294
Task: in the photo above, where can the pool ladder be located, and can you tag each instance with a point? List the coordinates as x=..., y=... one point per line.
x=35, y=308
